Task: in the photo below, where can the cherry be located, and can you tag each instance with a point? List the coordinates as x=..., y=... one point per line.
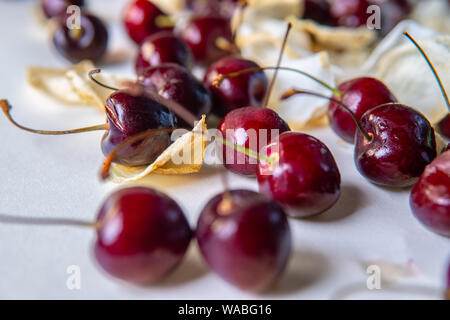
x=444, y=127
x=142, y=18
x=163, y=47
x=54, y=8
x=142, y=235
x=430, y=197
x=299, y=171
x=203, y=34
x=245, y=238
x=319, y=11
x=360, y=95
x=224, y=8
x=88, y=42
x=176, y=83
x=248, y=127
x=244, y=90
x=349, y=13
x=392, y=12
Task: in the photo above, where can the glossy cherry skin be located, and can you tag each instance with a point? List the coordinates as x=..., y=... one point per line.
x=54, y=8
x=129, y=114
x=140, y=20
x=252, y=128
x=444, y=127
x=142, y=235
x=350, y=13
x=176, y=83
x=319, y=11
x=403, y=144
x=249, y=244
x=163, y=47
x=201, y=36
x=306, y=176
x=89, y=42
x=430, y=197
x=360, y=95
x=247, y=89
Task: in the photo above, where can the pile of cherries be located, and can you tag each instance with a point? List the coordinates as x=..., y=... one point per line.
x=243, y=235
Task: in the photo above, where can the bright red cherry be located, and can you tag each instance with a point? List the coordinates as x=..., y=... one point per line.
x=54, y=8
x=176, y=83
x=163, y=47
x=141, y=20
x=251, y=128
x=245, y=238
x=319, y=11
x=360, y=95
x=203, y=34
x=350, y=13
x=401, y=144
x=430, y=197
x=142, y=235
x=247, y=89
x=299, y=171
x=88, y=42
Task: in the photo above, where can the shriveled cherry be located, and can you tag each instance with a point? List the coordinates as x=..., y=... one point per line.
x=88, y=42
x=299, y=171
x=143, y=18
x=430, y=197
x=163, y=47
x=142, y=235
x=247, y=89
x=54, y=8
x=245, y=238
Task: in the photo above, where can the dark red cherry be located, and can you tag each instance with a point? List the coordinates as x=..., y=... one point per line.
x=319, y=11
x=302, y=174
x=141, y=20
x=224, y=8
x=444, y=127
x=245, y=238
x=54, y=8
x=392, y=12
x=129, y=114
x=142, y=235
x=349, y=13
x=88, y=42
x=252, y=128
x=430, y=197
x=202, y=34
x=247, y=89
x=360, y=95
x=176, y=83
x=163, y=47
x=402, y=144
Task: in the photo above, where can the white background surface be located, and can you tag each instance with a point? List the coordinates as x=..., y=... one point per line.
x=45, y=176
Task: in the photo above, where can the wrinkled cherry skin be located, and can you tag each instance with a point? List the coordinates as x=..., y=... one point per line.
x=244, y=127
x=430, y=197
x=360, y=95
x=54, y=8
x=142, y=235
x=201, y=35
x=403, y=144
x=306, y=176
x=90, y=42
x=319, y=11
x=248, y=245
x=163, y=47
x=349, y=13
x=128, y=115
x=176, y=83
x=245, y=90
x=140, y=20
x=444, y=127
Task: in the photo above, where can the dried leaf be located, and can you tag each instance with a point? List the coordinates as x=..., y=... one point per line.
x=72, y=85
x=192, y=144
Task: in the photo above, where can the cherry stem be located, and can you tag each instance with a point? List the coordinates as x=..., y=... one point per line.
x=220, y=78
x=6, y=108
x=289, y=93
x=436, y=75
x=242, y=5
x=280, y=57
x=91, y=76
x=9, y=219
